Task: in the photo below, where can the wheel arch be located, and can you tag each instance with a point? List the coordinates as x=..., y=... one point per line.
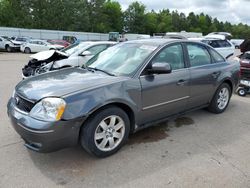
x=126, y=108
x=230, y=83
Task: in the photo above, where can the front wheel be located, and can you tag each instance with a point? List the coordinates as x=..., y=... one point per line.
x=105, y=132
x=27, y=50
x=221, y=99
x=8, y=48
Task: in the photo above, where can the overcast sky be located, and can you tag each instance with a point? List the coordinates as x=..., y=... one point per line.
x=234, y=11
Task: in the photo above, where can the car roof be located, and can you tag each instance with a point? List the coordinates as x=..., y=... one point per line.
x=154, y=41
x=99, y=42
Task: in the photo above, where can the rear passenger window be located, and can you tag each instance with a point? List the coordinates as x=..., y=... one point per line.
x=198, y=55
x=172, y=55
x=216, y=56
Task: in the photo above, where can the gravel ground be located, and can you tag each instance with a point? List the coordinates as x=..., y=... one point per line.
x=199, y=149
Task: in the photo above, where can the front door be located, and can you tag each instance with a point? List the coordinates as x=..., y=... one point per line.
x=165, y=94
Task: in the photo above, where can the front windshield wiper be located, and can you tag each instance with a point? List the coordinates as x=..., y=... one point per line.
x=96, y=69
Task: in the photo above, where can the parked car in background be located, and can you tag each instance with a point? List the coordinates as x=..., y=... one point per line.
x=236, y=42
x=60, y=42
x=72, y=56
x=244, y=60
x=219, y=43
x=123, y=89
x=245, y=46
x=8, y=45
x=20, y=40
x=38, y=46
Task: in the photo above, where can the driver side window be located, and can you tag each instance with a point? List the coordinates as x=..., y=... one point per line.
x=172, y=55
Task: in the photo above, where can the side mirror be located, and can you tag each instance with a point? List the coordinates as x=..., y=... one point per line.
x=160, y=68
x=85, y=53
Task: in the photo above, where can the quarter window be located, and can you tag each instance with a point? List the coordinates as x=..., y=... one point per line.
x=198, y=55
x=172, y=55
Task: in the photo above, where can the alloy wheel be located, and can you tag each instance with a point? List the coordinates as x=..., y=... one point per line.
x=109, y=133
x=223, y=98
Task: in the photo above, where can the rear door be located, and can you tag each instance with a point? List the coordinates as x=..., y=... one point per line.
x=165, y=94
x=204, y=74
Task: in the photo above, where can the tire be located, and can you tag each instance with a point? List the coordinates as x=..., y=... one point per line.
x=27, y=50
x=52, y=49
x=8, y=48
x=97, y=134
x=242, y=92
x=220, y=101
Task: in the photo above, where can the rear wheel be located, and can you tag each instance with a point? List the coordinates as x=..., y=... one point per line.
x=221, y=99
x=27, y=50
x=105, y=132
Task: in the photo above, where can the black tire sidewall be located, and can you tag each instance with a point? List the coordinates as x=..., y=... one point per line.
x=27, y=50
x=88, y=130
x=213, y=107
x=8, y=48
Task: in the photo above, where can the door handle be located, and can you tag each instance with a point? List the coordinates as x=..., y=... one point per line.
x=181, y=82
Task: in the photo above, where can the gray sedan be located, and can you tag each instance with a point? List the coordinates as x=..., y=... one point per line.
x=125, y=88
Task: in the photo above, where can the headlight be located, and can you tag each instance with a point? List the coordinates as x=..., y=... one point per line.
x=49, y=109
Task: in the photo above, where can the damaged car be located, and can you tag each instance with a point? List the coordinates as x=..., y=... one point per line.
x=74, y=55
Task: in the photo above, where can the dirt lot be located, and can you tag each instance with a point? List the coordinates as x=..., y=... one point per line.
x=198, y=150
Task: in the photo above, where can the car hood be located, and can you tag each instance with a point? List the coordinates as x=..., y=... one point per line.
x=63, y=82
x=44, y=55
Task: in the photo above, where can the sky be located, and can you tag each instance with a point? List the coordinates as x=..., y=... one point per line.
x=234, y=11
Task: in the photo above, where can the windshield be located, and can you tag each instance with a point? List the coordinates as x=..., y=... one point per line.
x=122, y=59
x=75, y=47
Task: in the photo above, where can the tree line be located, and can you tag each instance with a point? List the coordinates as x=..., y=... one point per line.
x=105, y=15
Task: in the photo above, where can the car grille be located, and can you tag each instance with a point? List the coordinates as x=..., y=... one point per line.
x=23, y=104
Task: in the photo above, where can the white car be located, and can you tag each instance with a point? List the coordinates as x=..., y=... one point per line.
x=19, y=40
x=219, y=43
x=73, y=56
x=38, y=46
x=237, y=42
x=6, y=44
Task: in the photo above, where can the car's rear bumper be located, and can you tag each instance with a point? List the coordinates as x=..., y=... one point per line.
x=42, y=136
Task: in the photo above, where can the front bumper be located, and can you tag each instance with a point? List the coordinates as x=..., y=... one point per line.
x=42, y=136
x=15, y=47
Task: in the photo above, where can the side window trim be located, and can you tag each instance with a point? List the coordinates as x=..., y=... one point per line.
x=167, y=46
